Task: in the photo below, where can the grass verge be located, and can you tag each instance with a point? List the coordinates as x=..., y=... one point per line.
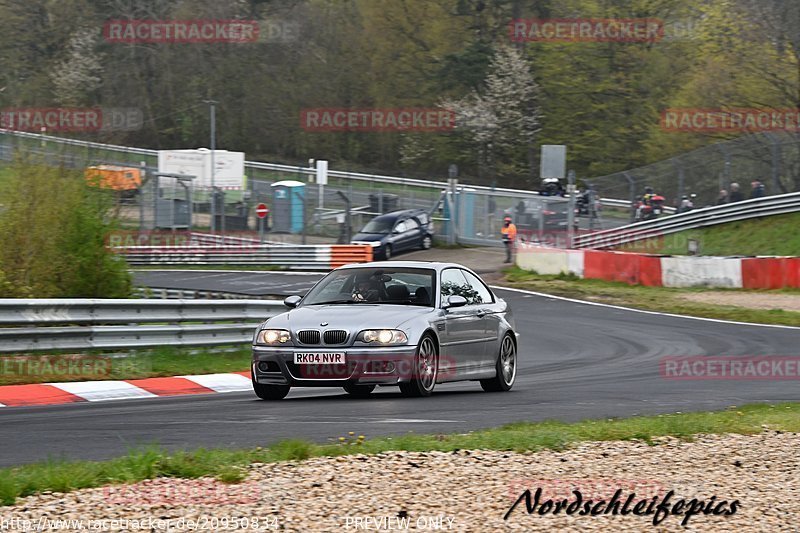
x=89, y=366
x=772, y=235
x=228, y=465
x=662, y=299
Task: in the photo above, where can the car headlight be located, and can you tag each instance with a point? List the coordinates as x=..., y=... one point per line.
x=383, y=336
x=273, y=336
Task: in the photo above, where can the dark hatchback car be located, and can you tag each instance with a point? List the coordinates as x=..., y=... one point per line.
x=399, y=231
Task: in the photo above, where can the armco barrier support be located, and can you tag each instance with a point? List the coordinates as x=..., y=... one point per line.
x=576, y=261
x=549, y=261
x=654, y=270
x=702, y=272
x=345, y=254
x=633, y=269
x=770, y=272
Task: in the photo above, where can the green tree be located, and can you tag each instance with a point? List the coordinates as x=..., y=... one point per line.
x=53, y=231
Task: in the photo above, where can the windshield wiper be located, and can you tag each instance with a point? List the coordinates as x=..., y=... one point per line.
x=349, y=301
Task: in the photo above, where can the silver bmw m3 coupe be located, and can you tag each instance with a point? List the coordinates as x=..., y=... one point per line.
x=404, y=323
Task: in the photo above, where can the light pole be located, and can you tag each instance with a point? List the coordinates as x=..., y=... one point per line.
x=213, y=145
x=452, y=185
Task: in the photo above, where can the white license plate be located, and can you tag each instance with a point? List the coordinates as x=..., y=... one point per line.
x=319, y=358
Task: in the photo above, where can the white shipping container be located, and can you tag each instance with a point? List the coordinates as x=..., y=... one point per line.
x=228, y=173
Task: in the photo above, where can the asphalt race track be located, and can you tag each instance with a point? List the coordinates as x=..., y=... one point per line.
x=252, y=283
x=576, y=361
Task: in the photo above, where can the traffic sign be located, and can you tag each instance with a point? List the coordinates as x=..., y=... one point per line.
x=262, y=210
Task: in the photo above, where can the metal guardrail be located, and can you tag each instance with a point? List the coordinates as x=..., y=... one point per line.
x=190, y=294
x=697, y=218
x=613, y=202
x=275, y=167
x=55, y=324
x=294, y=257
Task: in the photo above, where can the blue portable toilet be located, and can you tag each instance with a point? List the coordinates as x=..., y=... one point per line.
x=466, y=208
x=464, y=204
x=288, y=198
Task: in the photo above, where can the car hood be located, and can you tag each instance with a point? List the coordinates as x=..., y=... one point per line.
x=348, y=316
x=369, y=237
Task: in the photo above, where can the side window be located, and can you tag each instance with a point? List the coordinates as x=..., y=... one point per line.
x=484, y=295
x=400, y=227
x=423, y=219
x=453, y=282
x=411, y=224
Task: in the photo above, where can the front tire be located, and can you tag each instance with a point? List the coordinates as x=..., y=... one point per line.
x=426, y=242
x=426, y=368
x=506, y=367
x=269, y=392
x=358, y=391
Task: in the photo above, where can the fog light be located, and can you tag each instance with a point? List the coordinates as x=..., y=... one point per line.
x=263, y=366
x=380, y=367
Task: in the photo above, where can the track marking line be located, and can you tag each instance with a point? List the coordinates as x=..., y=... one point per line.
x=657, y=313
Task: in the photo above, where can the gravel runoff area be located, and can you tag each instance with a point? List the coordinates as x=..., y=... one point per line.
x=458, y=491
x=754, y=300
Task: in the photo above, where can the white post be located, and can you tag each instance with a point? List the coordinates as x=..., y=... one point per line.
x=322, y=180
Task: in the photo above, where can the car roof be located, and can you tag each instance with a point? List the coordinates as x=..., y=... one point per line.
x=435, y=265
x=401, y=213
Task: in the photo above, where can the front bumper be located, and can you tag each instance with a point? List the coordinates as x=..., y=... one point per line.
x=373, y=365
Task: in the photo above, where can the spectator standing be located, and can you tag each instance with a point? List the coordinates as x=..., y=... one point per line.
x=757, y=189
x=509, y=233
x=735, y=195
x=723, y=197
x=687, y=203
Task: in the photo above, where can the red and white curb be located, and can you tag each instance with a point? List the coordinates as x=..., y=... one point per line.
x=101, y=391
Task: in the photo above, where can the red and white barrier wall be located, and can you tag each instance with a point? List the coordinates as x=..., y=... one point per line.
x=663, y=271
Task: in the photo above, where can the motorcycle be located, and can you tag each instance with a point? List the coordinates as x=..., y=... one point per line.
x=551, y=187
x=650, y=209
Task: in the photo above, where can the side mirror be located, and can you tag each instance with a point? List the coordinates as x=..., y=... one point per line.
x=454, y=300
x=291, y=301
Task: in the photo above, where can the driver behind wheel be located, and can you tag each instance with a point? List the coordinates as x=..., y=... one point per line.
x=367, y=289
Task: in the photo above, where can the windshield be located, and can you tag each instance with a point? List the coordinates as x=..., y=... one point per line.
x=399, y=286
x=379, y=226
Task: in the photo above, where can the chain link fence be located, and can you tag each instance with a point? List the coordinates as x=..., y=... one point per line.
x=772, y=158
x=470, y=214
